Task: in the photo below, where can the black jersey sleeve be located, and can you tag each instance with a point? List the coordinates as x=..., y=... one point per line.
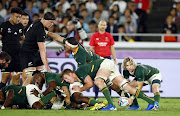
x=2, y=29
x=40, y=35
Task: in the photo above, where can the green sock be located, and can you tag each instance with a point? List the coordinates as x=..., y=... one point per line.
x=135, y=102
x=157, y=97
x=92, y=102
x=140, y=94
x=46, y=98
x=107, y=95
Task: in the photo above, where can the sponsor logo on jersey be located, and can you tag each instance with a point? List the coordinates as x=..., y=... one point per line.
x=30, y=64
x=106, y=38
x=9, y=30
x=15, y=33
x=97, y=38
x=102, y=43
x=20, y=30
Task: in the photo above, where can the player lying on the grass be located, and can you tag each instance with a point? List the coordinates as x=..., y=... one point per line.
x=21, y=96
x=144, y=75
x=99, y=71
x=5, y=59
x=52, y=80
x=77, y=98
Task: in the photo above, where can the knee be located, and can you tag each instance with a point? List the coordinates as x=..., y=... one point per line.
x=36, y=105
x=155, y=87
x=98, y=82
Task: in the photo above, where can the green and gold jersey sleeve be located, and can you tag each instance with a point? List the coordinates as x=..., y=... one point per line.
x=50, y=77
x=144, y=72
x=55, y=77
x=88, y=69
x=19, y=94
x=85, y=56
x=81, y=75
x=126, y=74
x=140, y=73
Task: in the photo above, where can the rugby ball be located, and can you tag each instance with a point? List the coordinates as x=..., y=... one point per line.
x=123, y=101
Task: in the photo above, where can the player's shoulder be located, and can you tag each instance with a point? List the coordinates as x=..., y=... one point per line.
x=109, y=34
x=6, y=23
x=140, y=68
x=20, y=25
x=125, y=72
x=96, y=34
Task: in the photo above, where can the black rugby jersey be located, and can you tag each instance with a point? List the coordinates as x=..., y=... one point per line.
x=35, y=33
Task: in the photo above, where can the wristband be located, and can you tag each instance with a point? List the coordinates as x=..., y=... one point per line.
x=115, y=59
x=40, y=95
x=46, y=32
x=132, y=97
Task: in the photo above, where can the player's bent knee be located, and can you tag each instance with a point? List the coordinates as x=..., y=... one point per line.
x=99, y=81
x=155, y=87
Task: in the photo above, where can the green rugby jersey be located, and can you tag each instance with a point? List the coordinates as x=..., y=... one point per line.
x=83, y=55
x=88, y=69
x=142, y=72
x=19, y=94
x=49, y=77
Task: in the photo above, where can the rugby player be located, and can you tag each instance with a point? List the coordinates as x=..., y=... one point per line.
x=11, y=32
x=5, y=59
x=144, y=75
x=33, y=50
x=25, y=22
x=99, y=71
x=52, y=80
x=21, y=96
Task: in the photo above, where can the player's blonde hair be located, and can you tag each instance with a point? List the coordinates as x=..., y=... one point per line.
x=128, y=59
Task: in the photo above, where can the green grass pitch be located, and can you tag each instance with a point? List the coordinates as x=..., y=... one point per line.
x=168, y=107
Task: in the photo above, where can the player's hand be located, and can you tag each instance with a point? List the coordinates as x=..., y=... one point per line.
x=130, y=101
x=76, y=88
x=35, y=92
x=115, y=62
x=48, y=69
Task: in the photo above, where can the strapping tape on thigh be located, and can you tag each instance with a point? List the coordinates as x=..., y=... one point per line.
x=123, y=84
x=15, y=73
x=41, y=70
x=29, y=72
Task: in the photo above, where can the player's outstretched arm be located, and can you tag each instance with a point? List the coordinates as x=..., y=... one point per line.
x=55, y=36
x=66, y=90
x=51, y=86
x=88, y=84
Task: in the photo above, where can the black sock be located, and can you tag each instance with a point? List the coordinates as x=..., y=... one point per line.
x=2, y=85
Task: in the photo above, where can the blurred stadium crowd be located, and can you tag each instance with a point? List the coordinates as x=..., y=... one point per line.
x=123, y=16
